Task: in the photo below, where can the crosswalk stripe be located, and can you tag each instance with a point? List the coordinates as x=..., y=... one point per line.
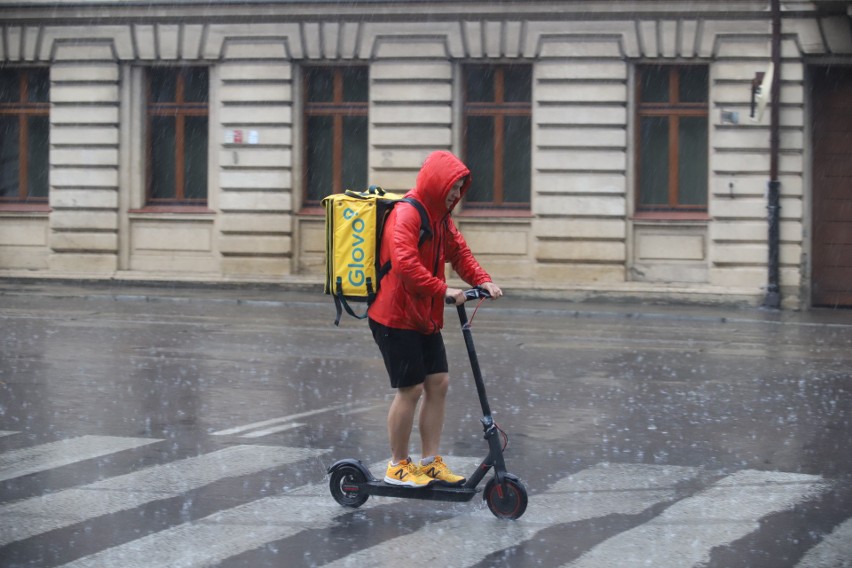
x=293, y=425
x=36, y=515
x=280, y=420
x=465, y=540
x=835, y=550
x=273, y=430
x=685, y=533
x=230, y=532
x=219, y=536
x=64, y=452
x=7, y=433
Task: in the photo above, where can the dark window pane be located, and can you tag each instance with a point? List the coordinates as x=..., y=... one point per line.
x=673, y=185
x=10, y=86
x=37, y=156
x=196, y=85
x=320, y=85
x=355, y=84
x=693, y=85
x=319, y=155
x=195, y=157
x=163, y=157
x=163, y=84
x=354, y=152
x=479, y=83
x=517, y=162
x=517, y=83
x=480, y=159
x=503, y=86
x=38, y=86
x=654, y=85
x=654, y=161
x=9, y=157
x=178, y=167
x=692, y=166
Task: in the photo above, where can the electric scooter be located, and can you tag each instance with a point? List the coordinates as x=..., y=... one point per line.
x=351, y=482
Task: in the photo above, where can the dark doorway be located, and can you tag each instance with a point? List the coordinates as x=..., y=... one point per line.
x=831, y=278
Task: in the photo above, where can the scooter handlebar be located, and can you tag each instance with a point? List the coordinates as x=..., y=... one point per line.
x=472, y=294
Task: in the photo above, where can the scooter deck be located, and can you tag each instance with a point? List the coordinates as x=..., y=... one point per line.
x=431, y=493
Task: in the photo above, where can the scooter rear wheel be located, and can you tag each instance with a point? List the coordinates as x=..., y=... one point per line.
x=508, y=504
x=343, y=485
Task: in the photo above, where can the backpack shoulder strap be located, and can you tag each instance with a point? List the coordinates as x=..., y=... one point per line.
x=425, y=229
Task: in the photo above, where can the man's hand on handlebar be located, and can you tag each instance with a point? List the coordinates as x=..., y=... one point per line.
x=454, y=296
x=458, y=297
x=493, y=289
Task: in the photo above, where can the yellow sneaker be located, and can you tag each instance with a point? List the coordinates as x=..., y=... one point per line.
x=439, y=471
x=407, y=474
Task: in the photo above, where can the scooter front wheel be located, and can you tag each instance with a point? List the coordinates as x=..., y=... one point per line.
x=347, y=486
x=508, y=503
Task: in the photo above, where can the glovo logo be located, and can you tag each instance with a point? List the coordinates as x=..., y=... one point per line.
x=356, y=273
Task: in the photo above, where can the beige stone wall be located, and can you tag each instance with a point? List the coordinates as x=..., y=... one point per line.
x=84, y=156
x=740, y=165
x=255, y=180
x=23, y=241
x=580, y=153
x=580, y=232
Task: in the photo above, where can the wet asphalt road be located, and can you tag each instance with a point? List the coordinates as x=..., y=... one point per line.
x=260, y=379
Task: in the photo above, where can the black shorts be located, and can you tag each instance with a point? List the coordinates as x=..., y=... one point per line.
x=409, y=356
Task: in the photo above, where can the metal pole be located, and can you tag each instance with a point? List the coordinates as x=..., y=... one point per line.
x=772, y=300
x=474, y=365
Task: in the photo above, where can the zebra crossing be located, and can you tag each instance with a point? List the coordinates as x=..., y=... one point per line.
x=284, y=423
x=63, y=452
x=675, y=515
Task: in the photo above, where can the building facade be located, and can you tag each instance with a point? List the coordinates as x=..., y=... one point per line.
x=617, y=147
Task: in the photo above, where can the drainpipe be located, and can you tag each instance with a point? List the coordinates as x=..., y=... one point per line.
x=772, y=300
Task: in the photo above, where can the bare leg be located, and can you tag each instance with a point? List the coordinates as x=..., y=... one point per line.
x=401, y=420
x=431, y=423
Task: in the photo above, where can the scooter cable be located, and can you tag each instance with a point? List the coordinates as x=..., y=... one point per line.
x=470, y=321
x=503, y=435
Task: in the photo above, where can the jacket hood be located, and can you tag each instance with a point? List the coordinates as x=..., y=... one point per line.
x=440, y=171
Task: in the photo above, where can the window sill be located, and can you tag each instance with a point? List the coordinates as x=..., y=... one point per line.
x=671, y=216
x=312, y=211
x=24, y=208
x=495, y=212
x=181, y=209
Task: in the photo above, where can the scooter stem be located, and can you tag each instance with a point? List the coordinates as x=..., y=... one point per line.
x=474, y=365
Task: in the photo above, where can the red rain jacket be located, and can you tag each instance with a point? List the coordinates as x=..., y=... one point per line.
x=411, y=295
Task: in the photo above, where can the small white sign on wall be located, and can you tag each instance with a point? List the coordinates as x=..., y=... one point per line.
x=233, y=137
x=241, y=137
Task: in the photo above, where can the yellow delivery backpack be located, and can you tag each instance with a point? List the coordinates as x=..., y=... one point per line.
x=353, y=236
